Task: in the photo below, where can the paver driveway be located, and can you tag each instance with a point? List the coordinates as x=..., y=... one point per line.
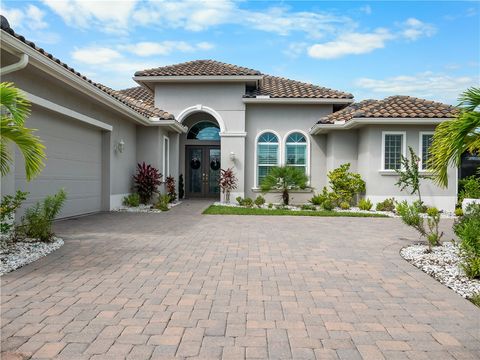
x=180, y=284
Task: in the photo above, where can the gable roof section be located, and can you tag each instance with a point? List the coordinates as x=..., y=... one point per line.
x=278, y=87
x=146, y=110
x=199, y=68
x=392, y=107
x=139, y=93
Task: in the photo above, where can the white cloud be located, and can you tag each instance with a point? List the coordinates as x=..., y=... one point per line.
x=165, y=47
x=413, y=29
x=95, y=55
x=367, y=9
x=351, y=43
x=427, y=84
x=30, y=17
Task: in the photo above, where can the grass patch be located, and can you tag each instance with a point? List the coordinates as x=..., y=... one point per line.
x=475, y=299
x=232, y=210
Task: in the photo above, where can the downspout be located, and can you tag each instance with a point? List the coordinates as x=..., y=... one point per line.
x=22, y=63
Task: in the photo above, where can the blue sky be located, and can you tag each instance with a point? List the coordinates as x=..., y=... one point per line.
x=371, y=49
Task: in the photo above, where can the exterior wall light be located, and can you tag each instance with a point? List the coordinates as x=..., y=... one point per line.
x=120, y=146
x=232, y=156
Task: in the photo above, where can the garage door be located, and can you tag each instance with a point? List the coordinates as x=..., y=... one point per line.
x=74, y=152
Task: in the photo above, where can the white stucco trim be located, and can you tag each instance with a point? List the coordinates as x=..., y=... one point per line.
x=307, y=137
x=420, y=148
x=234, y=134
x=269, y=100
x=44, y=103
x=446, y=203
x=404, y=147
x=165, y=158
x=201, y=108
x=355, y=122
x=279, y=153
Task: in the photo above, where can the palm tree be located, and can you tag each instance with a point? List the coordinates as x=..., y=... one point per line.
x=454, y=137
x=14, y=110
x=284, y=178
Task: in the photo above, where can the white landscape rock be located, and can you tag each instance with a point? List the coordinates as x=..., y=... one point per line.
x=21, y=253
x=442, y=264
x=142, y=208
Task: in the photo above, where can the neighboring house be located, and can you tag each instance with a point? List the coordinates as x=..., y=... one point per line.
x=215, y=115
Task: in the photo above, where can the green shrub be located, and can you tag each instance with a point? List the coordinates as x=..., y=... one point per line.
x=475, y=299
x=162, y=202
x=386, y=205
x=422, y=208
x=38, y=220
x=239, y=200
x=270, y=205
x=458, y=212
x=411, y=216
x=248, y=202
x=259, y=201
x=8, y=208
x=318, y=199
x=469, y=188
x=344, y=205
x=467, y=228
x=345, y=185
x=308, y=207
x=132, y=200
x=365, y=204
x=328, y=205
x=170, y=187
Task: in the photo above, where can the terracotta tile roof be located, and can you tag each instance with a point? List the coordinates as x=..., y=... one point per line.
x=147, y=110
x=199, y=68
x=392, y=107
x=139, y=93
x=278, y=87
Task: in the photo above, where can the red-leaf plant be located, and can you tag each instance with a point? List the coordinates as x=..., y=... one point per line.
x=146, y=180
x=228, y=182
x=170, y=185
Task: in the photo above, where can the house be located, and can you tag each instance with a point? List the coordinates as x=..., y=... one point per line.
x=197, y=117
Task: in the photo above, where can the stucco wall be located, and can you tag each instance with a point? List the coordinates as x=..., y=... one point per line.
x=283, y=119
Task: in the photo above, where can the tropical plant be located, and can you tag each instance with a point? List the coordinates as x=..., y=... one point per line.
x=458, y=212
x=411, y=216
x=162, y=202
x=227, y=182
x=318, y=199
x=365, y=204
x=15, y=109
x=285, y=179
x=170, y=185
x=132, y=200
x=328, y=205
x=147, y=179
x=8, y=207
x=344, y=205
x=38, y=220
x=181, y=187
x=467, y=228
x=345, y=184
x=386, y=205
x=409, y=175
x=454, y=137
x=469, y=188
x=259, y=201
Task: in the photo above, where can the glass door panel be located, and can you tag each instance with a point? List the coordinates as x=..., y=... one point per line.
x=195, y=171
x=213, y=171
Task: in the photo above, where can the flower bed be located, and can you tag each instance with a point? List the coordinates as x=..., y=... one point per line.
x=17, y=254
x=144, y=208
x=442, y=264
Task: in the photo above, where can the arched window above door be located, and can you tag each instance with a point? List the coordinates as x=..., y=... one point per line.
x=204, y=130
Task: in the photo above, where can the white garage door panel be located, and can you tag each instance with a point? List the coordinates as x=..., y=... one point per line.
x=74, y=153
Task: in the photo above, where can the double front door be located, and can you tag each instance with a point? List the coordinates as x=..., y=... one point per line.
x=203, y=171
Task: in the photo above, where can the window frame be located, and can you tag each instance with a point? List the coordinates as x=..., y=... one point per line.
x=166, y=157
x=307, y=144
x=279, y=153
x=404, y=147
x=420, y=148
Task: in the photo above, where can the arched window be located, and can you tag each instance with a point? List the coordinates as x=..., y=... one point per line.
x=296, y=152
x=267, y=154
x=204, y=130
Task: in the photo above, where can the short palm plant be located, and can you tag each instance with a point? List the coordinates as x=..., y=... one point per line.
x=454, y=137
x=284, y=178
x=14, y=111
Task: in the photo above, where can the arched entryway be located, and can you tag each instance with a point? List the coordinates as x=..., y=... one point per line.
x=201, y=155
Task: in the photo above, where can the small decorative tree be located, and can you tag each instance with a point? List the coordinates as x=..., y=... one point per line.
x=147, y=179
x=345, y=185
x=285, y=179
x=410, y=175
x=170, y=184
x=227, y=182
x=181, y=188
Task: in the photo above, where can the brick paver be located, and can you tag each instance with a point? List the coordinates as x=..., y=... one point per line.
x=184, y=285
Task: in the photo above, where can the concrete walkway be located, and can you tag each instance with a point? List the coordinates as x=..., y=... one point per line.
x=181, y=284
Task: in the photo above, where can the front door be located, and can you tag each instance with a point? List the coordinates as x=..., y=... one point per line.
x=203, y=171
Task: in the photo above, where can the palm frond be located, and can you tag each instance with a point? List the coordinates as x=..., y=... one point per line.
x=470, y=99
x=5, y=157
x=14, y=103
